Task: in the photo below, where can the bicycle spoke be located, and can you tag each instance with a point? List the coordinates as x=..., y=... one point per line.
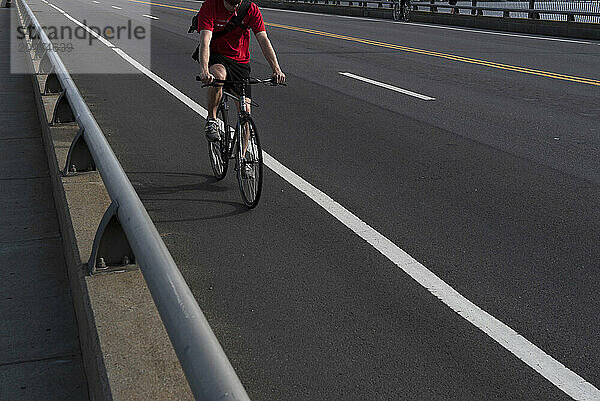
x=217, y=151
x=250, y=171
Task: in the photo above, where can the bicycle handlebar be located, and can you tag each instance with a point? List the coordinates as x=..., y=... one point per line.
x=249, y=81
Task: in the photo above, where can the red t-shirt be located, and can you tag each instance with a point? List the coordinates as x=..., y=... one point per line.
x=213, y=16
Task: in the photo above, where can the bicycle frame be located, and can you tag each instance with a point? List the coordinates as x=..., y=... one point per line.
x=242, y=112
x=243, y=141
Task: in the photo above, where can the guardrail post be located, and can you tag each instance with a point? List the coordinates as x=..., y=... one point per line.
x=52, y=84
x=79, y=158
x=62, y=110
x=39, y=50
x=45, y=64
x=111, y=250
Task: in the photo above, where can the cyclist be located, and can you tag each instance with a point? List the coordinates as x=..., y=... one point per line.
x=228, y=56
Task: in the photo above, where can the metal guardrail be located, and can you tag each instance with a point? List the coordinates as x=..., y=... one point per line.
x=207, y=369
x=532, y=11
x=587, y=11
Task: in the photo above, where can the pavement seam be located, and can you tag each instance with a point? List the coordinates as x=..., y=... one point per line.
x=19, y=138
x=24, y=178
x=24, y=241
x=50, y=358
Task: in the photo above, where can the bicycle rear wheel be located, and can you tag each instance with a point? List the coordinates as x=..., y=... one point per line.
x=407, y=10
x=250, y=165
x=217, y=151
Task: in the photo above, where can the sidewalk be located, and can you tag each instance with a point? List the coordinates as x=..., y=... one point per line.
x=40, y=357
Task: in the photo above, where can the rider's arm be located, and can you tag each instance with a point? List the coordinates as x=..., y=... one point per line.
x=205, y=37
x=269, y=53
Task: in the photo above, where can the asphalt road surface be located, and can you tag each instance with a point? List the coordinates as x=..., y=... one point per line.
x=492, y=186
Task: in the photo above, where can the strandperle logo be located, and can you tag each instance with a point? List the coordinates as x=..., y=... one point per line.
x=65, y=32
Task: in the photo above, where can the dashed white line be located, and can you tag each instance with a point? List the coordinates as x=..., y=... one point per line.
x=149, y=16
x=117, y=8
x=96, y=2
x=387, y=86
x=551, y=369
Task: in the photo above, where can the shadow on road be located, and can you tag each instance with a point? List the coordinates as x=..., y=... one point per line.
x=151, y=184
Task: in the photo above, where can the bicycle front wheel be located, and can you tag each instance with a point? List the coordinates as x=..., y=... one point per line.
x=218, y=150
x=249, y=164
x=396, y=12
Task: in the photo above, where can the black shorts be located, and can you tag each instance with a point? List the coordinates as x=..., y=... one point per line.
x=235, y=71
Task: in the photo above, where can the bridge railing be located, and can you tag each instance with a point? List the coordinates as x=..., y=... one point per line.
x=127, y=235
x=577, y=11
x=573, y=11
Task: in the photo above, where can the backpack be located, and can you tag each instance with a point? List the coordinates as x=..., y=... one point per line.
x=233, y=23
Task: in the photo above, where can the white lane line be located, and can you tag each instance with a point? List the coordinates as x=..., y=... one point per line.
x=149, y=16
x=555, y=372
x=363, y=19
x=387, y=86
x=44, y=1
x=514, y=35
x=117, y=8
x=56, y=8
x=90, y=31
x=96, y=2
x=523, y=36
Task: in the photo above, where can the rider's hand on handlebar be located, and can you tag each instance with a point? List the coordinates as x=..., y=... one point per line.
x=278, y=77
x=206, y=77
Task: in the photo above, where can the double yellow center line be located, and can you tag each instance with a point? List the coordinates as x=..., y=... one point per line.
x=443, y=55
x=453, y=57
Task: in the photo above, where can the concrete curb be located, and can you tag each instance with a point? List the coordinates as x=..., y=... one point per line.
x=98, y=385
x=126, y=352
x=537, y=27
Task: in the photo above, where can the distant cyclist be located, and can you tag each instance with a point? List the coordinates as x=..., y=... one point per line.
x=227, y=55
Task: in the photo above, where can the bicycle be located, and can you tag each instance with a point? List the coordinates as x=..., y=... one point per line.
x=402, y=10
x=249, y=160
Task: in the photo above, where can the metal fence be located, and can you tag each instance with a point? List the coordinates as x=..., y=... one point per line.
x=577, y=11
x=574, y=6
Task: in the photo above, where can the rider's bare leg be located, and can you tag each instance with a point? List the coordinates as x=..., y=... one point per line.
x=215, y=93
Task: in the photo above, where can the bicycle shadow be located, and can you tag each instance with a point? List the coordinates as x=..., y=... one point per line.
x=238, y=208
x=152, y=187
x=171, y=182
